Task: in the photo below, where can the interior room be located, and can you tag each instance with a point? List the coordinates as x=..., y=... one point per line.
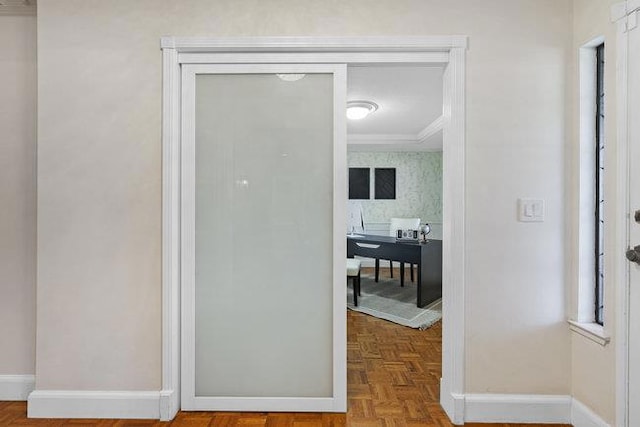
x=175, y=219
x=401, y=136
x=408, y=119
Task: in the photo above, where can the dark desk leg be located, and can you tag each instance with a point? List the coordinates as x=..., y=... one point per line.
x=419, y=283
x=377, y=269
x=402, y=274
x=430, y=273
x=354, y=280
x=391, y=268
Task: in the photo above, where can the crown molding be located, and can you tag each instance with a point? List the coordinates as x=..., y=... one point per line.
x=433, y=128
x=378, y=138
x=389, y=139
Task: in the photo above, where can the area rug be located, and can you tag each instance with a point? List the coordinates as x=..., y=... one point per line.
x=389, y=301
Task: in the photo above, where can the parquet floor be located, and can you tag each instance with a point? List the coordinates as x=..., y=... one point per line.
x=393, y=376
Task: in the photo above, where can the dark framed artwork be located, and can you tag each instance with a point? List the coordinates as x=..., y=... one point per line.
x=385, y=183
x=359, y=183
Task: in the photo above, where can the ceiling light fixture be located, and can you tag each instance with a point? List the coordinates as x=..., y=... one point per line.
x=357, y=110
x=290, y=77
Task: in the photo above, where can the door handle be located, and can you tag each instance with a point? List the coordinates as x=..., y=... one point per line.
x=633, y=254
x=368, y=245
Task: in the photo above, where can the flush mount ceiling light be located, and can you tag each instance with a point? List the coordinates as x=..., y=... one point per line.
x=357, y=110
x=290, y=77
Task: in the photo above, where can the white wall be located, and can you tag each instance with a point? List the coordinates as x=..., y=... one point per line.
x=17, y=194
x=99, y=176
x=593, y=366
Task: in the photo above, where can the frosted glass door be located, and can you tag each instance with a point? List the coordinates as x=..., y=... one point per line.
x=259, y=196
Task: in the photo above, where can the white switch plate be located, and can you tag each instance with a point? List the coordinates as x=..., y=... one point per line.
x=530, y=210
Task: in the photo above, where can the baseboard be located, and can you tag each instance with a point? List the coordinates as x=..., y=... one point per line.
x=169, y=404
x=517, y=408
x=582, y=416
x=488, y=408
x=453, y=405
x=94, y=404
x=16, y=387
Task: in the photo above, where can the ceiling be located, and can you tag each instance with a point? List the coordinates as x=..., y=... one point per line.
x=409, y=99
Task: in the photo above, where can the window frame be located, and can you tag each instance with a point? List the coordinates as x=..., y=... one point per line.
x=582, y=318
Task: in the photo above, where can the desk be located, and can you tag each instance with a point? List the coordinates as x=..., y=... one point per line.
x=427, y=256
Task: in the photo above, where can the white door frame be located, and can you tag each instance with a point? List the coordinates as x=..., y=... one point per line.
x=447, y=50
x=619, y=14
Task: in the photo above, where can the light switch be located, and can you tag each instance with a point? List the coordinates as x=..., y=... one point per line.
x=530, y=210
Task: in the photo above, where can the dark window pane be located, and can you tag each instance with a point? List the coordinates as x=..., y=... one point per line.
x=358, y=183
x=385, y=183
x=599, y=186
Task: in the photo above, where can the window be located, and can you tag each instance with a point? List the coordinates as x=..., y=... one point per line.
x=591, y=274
x=599, y=185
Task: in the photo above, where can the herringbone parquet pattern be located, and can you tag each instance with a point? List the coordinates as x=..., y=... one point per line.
x=393, y=380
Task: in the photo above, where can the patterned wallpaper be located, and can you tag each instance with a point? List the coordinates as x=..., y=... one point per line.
x=418, y=185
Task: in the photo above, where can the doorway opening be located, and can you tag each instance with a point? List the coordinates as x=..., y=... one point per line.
x=446, y=51
x=394, y=341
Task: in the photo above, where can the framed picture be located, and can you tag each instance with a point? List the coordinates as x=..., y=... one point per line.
x=359, y=183
x=385, y=183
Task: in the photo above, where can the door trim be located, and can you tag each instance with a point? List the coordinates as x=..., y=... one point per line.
x=619, y=15
x=448, y=50
x=622, y=238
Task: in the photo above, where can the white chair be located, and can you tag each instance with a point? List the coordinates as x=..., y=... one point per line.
x=399, y=224
x=353, y=272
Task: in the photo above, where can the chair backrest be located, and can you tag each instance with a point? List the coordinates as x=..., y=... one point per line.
x=403, y=224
